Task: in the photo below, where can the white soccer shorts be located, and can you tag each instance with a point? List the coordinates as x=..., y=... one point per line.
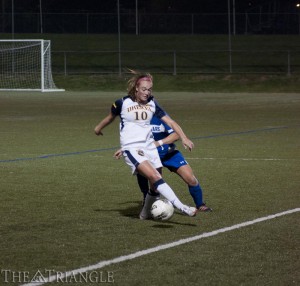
x=136, y=155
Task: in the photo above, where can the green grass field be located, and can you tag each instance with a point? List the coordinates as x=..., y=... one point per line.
x=67, y=204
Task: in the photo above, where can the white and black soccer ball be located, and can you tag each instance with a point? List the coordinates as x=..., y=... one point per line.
x=162, y=210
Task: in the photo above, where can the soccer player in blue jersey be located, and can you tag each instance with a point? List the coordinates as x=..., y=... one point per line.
x=137, y=143
x=173, y=159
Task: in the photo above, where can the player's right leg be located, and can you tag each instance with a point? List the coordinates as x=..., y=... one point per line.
x=155, y=179
x=139, y=163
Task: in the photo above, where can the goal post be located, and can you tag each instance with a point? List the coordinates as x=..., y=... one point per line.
x=25, y=65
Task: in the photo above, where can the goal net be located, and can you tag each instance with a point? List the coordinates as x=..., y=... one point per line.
x=26, y=65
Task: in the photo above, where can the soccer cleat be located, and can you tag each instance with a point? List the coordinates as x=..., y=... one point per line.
x=145, y=213
x=144, y=216
x=190, y=211
x=143, y=202
x=204, y=208
x=148, y=202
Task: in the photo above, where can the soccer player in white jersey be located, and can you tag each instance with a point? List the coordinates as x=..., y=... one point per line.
x=137, y=143
x=172, y=159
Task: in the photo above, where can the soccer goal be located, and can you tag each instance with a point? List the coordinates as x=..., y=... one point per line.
x=26, y=65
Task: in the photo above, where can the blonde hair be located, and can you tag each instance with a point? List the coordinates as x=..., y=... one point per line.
x=133, y=82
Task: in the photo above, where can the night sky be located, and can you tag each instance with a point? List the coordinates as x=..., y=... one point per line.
x=148, y=6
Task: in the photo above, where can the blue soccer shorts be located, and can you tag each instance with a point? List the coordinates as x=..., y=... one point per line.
x=174, y=161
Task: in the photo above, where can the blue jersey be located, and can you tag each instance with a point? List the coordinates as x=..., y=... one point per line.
x=170, y=157
x=161, y=130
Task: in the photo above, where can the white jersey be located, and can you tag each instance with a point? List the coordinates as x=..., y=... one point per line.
x=135, y=127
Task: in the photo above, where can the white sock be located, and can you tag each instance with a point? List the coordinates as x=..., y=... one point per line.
x=164, y=189
x=149, y=200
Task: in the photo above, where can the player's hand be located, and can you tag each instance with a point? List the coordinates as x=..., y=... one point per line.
x=98, y=131
x=118, y=154
x=188, y=144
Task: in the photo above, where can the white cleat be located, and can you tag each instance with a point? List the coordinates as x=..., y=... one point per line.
x=143, y=216
x=190, y=211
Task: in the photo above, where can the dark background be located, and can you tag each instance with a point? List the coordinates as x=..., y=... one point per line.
x=157, y=6
x=153, y=17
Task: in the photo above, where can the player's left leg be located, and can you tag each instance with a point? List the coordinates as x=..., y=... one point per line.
x=144, y=185
x=176, y=163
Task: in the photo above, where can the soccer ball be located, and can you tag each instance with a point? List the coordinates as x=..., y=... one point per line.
x=162, y=210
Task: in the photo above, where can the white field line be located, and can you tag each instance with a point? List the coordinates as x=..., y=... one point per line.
x=137, y=254
x=241, y=159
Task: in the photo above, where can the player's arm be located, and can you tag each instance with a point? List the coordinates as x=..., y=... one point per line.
x=171, y=138
x=106, y=121
x=187, y=143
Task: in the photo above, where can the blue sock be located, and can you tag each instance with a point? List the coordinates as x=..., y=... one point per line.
x=196, y=193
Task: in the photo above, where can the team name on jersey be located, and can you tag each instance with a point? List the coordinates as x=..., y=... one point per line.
x=156, y=129
x=137, y=107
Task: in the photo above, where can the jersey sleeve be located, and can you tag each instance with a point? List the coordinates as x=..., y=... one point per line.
x=168, y=128
x=159, y=112
x=117, y=107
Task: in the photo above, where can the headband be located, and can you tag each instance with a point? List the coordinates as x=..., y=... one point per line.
x=145, y=78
